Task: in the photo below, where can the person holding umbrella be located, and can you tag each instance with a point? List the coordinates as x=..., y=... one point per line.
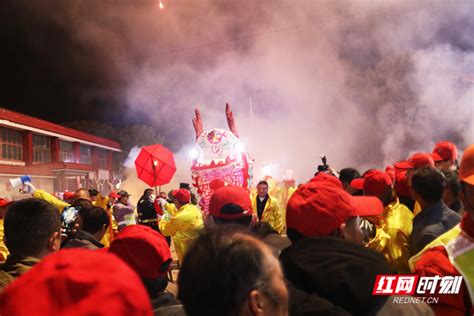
x=183, y=226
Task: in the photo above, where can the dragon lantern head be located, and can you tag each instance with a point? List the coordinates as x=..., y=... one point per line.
x=219, y=156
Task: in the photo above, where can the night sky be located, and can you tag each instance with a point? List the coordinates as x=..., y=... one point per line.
x=48, y=74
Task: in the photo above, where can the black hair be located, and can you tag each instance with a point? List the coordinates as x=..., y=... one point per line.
x=263, y=182
x=263, y=229
x=29, y=224
x=429, y=184
x=226, y=263
x=93, y=219
x=93, y=192
x=81, y=205
x=147, y=191
x=346, y=175
x=452, y=182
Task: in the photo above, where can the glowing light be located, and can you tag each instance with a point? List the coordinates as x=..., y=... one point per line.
x=161, y=5
x=239, y=147
x=155, y=163
x=194, y=153
x=269, y=169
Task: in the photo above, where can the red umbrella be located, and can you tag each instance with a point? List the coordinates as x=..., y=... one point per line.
x=155, y=165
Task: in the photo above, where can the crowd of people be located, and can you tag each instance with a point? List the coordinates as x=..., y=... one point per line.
x=320, y=254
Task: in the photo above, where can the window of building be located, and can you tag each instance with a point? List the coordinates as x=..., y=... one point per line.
x=66, y=153
x=85, y=155
x=102, y=159
x=11, y=144
x=41, y=149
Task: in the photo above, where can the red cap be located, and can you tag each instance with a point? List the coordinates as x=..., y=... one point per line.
x=466, y=168
x=374, y=183
x=390, y=170
x=77, y=282
x=4, y=202
x=68, y=195
x=445, y=151
x=216, y=184
x=318, y=209
x=401, y=184
x=419, y=160
x=230, y=195
x=182, y=195
x=327, y=178
x=143, y=249
x=114, y=195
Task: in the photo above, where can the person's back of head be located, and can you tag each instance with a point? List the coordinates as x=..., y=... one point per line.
x=95, y=221
x=427, y=185
x=32, y=228
x=346, y=175
x=236, y=273
x=82, y=193
x=77, y=282
x=231, y=205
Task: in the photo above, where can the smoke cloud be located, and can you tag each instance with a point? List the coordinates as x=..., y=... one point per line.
x=364, y=82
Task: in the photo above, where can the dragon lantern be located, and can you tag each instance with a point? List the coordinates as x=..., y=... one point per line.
x=219, y=158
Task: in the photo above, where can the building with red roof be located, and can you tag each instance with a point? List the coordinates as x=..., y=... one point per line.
x=56, y=157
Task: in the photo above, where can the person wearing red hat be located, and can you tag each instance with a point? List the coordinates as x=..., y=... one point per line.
x=452, y=254
x=32, y=231
x=267, y=209
x=445, y=156
x=415, y=162
x=3, y=249
x=395, y=225
x=330, y=272
x=402, y=190
x=147, y=253
x=231, y=205
x=77, y=282
x=184, y=224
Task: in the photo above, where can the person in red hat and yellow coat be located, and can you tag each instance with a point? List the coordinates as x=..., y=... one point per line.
x=452, y=253
x=394, y=225
x=184, y=225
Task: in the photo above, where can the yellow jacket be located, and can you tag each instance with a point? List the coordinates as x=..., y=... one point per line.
x=271, y=214
x=57, y=203
x=3, y=249
x=393, y=234
x=183, y=227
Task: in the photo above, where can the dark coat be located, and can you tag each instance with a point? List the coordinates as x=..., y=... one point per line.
x=430, y=223
x=83, y=240
x=332, y=276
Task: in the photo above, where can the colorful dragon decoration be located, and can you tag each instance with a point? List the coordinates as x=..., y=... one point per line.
x=220, y=159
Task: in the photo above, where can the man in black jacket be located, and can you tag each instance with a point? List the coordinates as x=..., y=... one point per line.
x=427, y=187
x=329, y=271
x=95, y=222
x=146, y=210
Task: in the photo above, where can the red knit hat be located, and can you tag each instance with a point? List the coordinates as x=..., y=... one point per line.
x=374, y=183
x=143, y=249
x=182, y=195
x=418, y=160
x=77, y=282
x=318, y=209
x=445, y=151
x=230, y=195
